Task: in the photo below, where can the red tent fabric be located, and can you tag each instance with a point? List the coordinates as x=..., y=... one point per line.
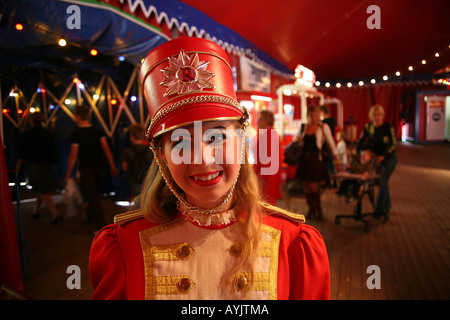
x=332, y=37
x=398, y=101
x=10, y=267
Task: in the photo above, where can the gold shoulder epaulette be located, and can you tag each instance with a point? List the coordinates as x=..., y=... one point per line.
x=128, y=216
x=270, y=209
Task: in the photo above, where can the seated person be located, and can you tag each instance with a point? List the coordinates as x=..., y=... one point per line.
x=349, y=187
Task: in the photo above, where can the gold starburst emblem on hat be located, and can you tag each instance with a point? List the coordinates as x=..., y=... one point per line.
x=186, y=74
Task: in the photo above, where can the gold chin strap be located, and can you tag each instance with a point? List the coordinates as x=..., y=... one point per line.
x=180, y=198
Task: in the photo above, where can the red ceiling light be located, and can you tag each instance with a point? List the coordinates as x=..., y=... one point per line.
x=19, y=27
x=94, y=52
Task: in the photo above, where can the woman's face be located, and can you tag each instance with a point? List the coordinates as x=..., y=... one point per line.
x=203, y=160
x=314, y=117
x=378, y=118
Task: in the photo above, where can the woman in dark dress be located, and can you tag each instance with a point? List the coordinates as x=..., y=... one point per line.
x=312, y=166
x=379, y=137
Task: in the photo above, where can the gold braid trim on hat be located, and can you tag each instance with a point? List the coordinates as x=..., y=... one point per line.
x=190, y=101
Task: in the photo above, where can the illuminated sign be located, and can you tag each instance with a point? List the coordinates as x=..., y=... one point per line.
x=304, y=76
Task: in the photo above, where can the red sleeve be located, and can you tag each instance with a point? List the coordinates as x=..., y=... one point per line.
x=106, y=266
x=310, y=277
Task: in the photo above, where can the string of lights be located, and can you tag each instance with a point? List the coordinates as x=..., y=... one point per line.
x=16, y=107
x=401, y=75
x=63, y=43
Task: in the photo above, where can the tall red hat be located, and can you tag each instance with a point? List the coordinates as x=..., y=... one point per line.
x=187, y=80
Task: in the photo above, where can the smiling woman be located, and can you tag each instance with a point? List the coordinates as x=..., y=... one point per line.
x=201, y=229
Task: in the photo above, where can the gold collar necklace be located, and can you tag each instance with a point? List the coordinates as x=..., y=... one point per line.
x=205, y=220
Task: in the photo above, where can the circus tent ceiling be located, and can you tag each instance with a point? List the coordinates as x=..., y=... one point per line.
x=329, y=37
x=332, y=38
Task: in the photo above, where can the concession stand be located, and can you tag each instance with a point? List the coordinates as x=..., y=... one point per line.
x=293, y=103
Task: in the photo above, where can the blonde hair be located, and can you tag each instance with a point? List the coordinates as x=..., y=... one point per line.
x=160, y=205
x=374, y=108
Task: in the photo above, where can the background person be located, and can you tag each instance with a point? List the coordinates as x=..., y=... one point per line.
x=379, y=137
x=325, y=117
x=88, y=145
x=341, y=147
x=271, y=183
x=349, y=187
x=136, y=158
x=37, y=147
x=312, y=168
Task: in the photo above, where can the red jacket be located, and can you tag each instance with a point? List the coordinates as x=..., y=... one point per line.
x=140, y=260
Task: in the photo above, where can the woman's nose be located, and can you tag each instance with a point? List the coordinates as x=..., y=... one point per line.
x=205, y=155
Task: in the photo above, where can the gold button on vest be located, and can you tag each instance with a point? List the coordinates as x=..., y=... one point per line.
x=236, y=249
x=184, y=251
x=184, y=285
x=241, y=281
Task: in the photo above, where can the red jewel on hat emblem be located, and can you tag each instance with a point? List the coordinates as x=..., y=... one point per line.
x=186, y=74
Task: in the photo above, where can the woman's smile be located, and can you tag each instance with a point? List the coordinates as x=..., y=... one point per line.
x=207, y=177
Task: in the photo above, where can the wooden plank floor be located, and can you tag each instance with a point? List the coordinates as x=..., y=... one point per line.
x=411, y=249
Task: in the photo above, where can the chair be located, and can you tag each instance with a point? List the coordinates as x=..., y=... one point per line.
x=366, y=185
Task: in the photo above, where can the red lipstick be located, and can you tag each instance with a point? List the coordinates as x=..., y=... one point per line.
x=207, y=179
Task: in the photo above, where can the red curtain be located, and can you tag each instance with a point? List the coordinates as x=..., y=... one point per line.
x=398, y=101
x=10, y=267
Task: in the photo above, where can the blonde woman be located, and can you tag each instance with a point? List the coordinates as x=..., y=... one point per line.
x=379, y=137
x=201, y=231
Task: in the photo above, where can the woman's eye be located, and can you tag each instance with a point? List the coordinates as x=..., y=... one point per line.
x=182, y=144
x=217, y=138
